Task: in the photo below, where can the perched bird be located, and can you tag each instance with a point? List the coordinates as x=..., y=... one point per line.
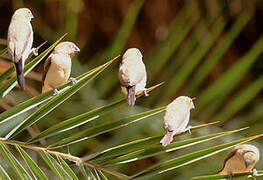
x=176, y=118
x=132, y=74
x=57, y=67
x=19, y=41
x=241, y=159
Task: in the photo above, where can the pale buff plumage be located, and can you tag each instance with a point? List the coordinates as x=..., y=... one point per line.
x=176, y=118
x=57, y=67
x=20, y=40
x=132, y=74
x=241, y=159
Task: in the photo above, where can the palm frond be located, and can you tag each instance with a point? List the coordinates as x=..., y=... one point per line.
x=190, y=158
x=84, y=118
x=57, y=100
x=11, y=83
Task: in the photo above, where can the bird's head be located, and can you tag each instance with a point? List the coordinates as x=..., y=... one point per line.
x=186, y=100
x=249, y=153
x=24, y=13
x=67, y=48
x=132, y=52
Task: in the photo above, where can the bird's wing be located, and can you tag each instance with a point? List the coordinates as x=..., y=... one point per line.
x=229, y=156
x=131, y=73
x=176, y=116
x=20, y=34
x=123, y=75
x=46, y=68
x=138, y=74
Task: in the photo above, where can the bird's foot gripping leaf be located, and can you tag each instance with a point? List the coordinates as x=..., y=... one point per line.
x=73, y=80
x=230, y=175
x=188, y=129
x=56, y=91
x=145, y=92
x=254, y=174
x=34, y=51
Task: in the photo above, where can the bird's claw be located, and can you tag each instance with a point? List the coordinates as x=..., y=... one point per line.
x=230, y=175
x=73, y=80
x=145, y=92
x=189, y=129
x=254, y=174
x=35, y=51
x=56, y=91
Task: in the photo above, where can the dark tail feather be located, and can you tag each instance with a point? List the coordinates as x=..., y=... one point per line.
x=131, y=95
x=20, y=74
x=167, y=139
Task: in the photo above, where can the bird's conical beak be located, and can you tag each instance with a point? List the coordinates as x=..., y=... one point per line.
x=247, y=163
x=76, y=49
x=193, y=106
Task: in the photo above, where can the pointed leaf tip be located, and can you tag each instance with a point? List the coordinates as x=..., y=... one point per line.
x=190, y=158
x=10, y=84
x=211, y=123
x=116, y=57
x=111, y=61
x=154, y=87
x=204, y=125
x=57, y=100
x=244, y=128
x=157, y=85
x=66, y=33
x=38, y=47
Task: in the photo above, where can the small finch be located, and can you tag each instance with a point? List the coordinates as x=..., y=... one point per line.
x=132, y=74
x=176, y=118
x=241, y=159
x=19, y=41
x=57, y=67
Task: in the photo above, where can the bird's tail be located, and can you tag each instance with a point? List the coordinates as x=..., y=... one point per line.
x=20, y=74
x=167, y=139
x=131, y=95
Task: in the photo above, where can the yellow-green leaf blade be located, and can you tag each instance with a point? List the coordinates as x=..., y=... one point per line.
x=3, y=51
x=97, y=130
x=38, y=173
x=153, y=151
x=3, y=174
x=247, y=175
x=27, y=105
x=134, y=145
x=67, y=169
x=11, y=83
x=190, y=158
x=102, y=176
x=11, y=69
x=18, y=168
x=54, y=166
x=83, y=118
x=56, y=101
